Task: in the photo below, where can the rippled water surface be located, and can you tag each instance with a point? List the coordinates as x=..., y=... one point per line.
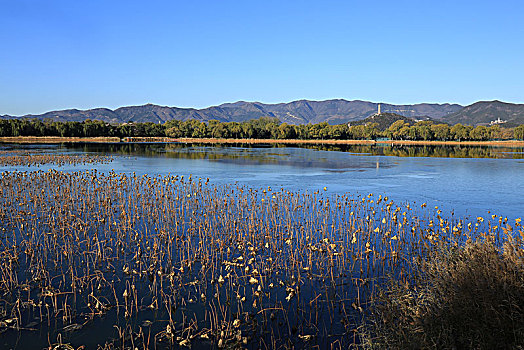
x=463, y=180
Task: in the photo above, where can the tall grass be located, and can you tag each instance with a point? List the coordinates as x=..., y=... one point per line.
x=168, y=261
x=463, y=297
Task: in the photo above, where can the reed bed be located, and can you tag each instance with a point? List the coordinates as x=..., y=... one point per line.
x=173, y=261
x=24, y=158
x=468, y=297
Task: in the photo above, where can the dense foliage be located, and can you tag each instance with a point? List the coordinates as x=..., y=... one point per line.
x=263, y=128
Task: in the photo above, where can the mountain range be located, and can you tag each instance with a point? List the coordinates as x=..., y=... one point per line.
x=298, y=112
x=484, y=112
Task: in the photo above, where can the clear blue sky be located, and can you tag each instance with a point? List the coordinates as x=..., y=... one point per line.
x=84, y=54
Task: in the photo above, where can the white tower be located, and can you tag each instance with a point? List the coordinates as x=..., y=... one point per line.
x=378, y=108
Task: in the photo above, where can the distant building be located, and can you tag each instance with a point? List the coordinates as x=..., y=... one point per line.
x=498, y=121
x=378, y=109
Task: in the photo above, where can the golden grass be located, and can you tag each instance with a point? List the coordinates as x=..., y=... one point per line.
x=507, y=143
x=464, y=297
x=15, y=158
x=55, y=139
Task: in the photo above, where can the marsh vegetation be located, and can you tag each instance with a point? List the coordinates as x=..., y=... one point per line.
x=30, y=158
x=113, y=260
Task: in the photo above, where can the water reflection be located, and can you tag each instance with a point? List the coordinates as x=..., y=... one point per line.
x=242, y=155
x=241, y=151
x=439, y=151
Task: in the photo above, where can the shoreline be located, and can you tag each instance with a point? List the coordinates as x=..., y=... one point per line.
x=56, y=139
x=507, y=143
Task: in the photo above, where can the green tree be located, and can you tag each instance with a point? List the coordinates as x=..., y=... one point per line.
x=423, y=130
x=248, y=131
x=94, y=128
x=62, y=129
x=358, y=132
x=235, y=130
x=220, y=131
x=459, y=132
x=441, y=132
x=316, y=131
x=480, y=133
x=496, y=132
x=5, y=128
x=338, y=132
x=371, y=131
x=393, y=132
x=174, y=131
x=403, y=133
x=200, y=131
x=286, y=131
x=518, y=132
x=302, y=132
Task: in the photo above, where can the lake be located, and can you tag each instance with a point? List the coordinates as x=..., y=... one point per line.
x=467, y=181
x=281, y=247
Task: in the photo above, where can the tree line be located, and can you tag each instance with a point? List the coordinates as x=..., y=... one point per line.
x=263, y=128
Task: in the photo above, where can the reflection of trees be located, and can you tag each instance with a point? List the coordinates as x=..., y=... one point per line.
x=228, y=153
x=426, y=151
x=242, y=151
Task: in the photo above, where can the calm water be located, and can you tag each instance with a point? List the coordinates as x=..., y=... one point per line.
x=449, y=177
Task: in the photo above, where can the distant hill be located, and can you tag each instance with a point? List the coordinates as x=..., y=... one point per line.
x=484, y=112
x=146, y=113
x=339, y=111
x=300, y=112
x=384, y=120
x=297, y=112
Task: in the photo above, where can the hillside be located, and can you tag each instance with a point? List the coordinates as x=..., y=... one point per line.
x=296, y=112
x=300, y=112
x=384, y=120
x=486, y=111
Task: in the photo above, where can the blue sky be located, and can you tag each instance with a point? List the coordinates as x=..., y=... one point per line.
x=84, y=54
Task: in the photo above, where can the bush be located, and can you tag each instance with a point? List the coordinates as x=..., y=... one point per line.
x=470, y=297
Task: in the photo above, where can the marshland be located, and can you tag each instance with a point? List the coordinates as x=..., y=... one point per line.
x=155, y=246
